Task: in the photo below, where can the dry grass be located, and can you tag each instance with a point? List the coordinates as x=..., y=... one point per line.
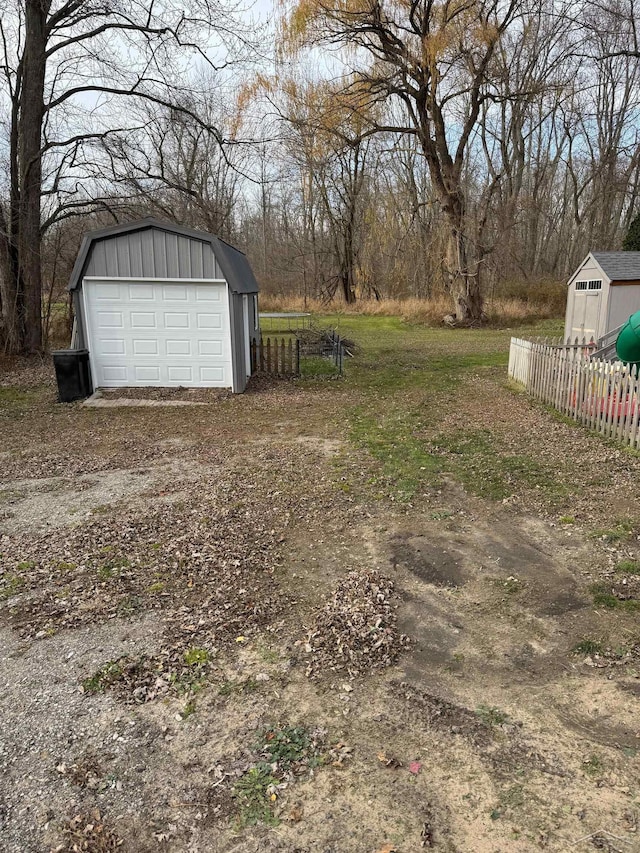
x=430, y=312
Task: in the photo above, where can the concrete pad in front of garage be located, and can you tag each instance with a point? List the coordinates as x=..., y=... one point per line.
x=96, y=401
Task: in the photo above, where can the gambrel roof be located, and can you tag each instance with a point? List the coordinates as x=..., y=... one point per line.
x=232, y=262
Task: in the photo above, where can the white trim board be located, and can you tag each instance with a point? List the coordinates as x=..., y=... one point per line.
x=149, y=278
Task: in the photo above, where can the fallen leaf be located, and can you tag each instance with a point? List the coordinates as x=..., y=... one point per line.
x=296, y=812
x=388, y=848
x=383, y=758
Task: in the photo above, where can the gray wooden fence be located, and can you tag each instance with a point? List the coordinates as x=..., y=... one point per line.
x=602, y=395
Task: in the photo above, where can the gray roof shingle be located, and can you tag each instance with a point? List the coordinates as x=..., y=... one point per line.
x=619, y=266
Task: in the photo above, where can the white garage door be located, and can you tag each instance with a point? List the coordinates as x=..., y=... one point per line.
x=167, y=333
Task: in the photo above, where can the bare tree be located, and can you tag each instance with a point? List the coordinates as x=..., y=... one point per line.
x=61, y=62
x=176, y=167
x=438, y=59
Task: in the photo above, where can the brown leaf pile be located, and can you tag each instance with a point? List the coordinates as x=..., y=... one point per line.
x=356, y=630
x=87, y=833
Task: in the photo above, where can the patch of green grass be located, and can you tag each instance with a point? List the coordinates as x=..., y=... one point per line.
x=189, y=709
x=567, y=519
x=231, y=688
x=510, y=585
x=25, y=566
x=588, y=647
x=253, y=794
x=410, y=375
x=267, y=654
x=395, y=355
x=16, y=398
x=593, y=765
x=317, y=367
x=288, y=745
x=603, y=597
x=284, y=752
x=629, y=567
x=476, y=459
x=108, y=674
x=196, y=657
x=491, y=716
x=195, y=675
x=392, y=439
x=113, y=568
x=622, y=530
x=12, y=584
x=155, y=588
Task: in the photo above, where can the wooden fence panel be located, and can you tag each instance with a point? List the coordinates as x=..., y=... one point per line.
x=276, y=356
x=604, y=396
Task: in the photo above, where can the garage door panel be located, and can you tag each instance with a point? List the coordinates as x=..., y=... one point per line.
x=159, y=345
x=106, y=292
x=209, y=321
x=145, y=347
x=177, y=348
x=180, y=374
x=210, y=348
x=113, y=373
x=112, y=347
x=177, y=321
x=175, y=293
x=208, y=293
x=141, y=292
x=110, y=320
x=146, y=373
x=212, y=374
x=143, y=320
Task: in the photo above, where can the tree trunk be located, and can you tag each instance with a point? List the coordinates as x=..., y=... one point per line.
x=464, y=282
x=10, y=337
x=463, y=271
x=11, y=330
x=348, y=291
x=29, y=285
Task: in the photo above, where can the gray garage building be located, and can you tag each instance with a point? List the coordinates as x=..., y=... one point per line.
x=160, y=305
x=602, y=294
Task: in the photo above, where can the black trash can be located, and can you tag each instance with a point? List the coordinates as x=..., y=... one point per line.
x=72, y=374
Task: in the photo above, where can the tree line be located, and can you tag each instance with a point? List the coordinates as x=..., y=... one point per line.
x=374, y=148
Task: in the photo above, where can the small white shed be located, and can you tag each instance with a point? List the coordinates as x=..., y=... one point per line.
x=159, y=305
x=602, y=294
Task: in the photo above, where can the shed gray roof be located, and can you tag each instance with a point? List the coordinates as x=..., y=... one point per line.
x=233, y=263
x=619, y=266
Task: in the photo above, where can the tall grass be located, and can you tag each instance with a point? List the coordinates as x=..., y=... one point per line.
x=500, y=311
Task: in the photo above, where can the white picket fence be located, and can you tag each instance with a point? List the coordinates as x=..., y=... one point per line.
x=604, y=396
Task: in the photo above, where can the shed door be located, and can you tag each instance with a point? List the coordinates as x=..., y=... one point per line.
x=169, y=333
x=586, y=312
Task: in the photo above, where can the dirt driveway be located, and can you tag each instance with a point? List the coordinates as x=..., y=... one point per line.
x=389, y=613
